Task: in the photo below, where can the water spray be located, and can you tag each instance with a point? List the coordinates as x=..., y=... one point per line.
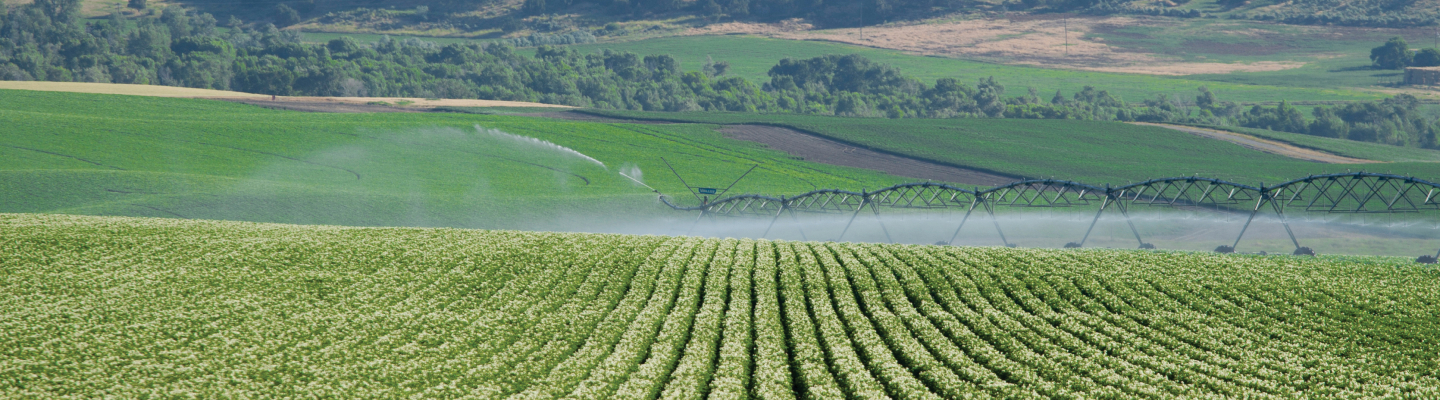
x=657, y=191
x=526, y=140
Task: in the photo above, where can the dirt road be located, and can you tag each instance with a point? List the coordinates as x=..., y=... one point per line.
x=1268, y=146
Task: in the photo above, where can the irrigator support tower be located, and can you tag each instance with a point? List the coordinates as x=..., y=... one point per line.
x=1344, y=193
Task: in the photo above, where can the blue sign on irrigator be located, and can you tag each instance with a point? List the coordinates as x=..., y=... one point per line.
x=707, y=190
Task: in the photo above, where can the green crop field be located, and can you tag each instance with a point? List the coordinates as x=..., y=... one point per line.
x=1088, y=151
x=138, y=156
x=751, y=57
x=147, y=308
x=1348, y=148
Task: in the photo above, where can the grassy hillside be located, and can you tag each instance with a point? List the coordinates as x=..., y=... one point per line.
x=124, y=155
x=222, y=309
x=1088, y=151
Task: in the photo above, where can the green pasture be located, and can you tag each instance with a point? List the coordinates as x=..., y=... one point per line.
x=1088, y=151
x=139, y=156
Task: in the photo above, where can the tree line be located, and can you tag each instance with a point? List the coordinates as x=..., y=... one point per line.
x=1396, y=54
x=47, y=41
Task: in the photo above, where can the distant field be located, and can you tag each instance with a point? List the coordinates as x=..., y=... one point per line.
x=145, y=308
x=1087, y=151
x=751, y=57
x=148, y=156
x=1335, y=57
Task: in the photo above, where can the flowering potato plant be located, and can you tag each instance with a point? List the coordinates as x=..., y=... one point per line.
x=144, y=308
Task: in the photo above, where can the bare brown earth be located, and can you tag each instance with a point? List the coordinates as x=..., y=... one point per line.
x=301, y=103
x=120, y=88
x=1046, y=41
x=1268, y=146
x=826, y=151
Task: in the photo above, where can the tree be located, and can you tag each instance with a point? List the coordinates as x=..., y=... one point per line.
x=136, y=4
x=1427, y=58
x=533, y=7
x=713, y=69
x=177, y=20
x=286, y=16
x=1394, y=54
x=62, y=11
x=1328, y=124
x=1205, y=100
x=737, y=8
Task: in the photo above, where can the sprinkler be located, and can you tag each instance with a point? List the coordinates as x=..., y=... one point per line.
x=1338, y=193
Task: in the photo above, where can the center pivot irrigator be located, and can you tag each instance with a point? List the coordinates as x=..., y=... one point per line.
x=1344, y=193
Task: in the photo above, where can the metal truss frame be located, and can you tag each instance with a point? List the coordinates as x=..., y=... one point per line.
x=1352, y=192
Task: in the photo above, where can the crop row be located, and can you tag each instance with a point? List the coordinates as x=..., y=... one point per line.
x=142, y=308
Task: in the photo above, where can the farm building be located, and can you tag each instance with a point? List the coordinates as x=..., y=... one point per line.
x=1429, y=76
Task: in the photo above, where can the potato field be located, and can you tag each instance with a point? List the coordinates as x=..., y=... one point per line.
x=158, y=308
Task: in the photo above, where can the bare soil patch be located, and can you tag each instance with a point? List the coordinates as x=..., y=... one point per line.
x=125, y=89
x=1029, y=41
x=1268, y=146
x=826, y=151
x=301, y=103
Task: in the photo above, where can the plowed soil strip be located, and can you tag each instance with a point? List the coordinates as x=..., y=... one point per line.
x=826, y=151
x=1268, y=146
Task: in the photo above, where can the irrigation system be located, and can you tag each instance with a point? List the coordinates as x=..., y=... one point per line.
x=1347, y=193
